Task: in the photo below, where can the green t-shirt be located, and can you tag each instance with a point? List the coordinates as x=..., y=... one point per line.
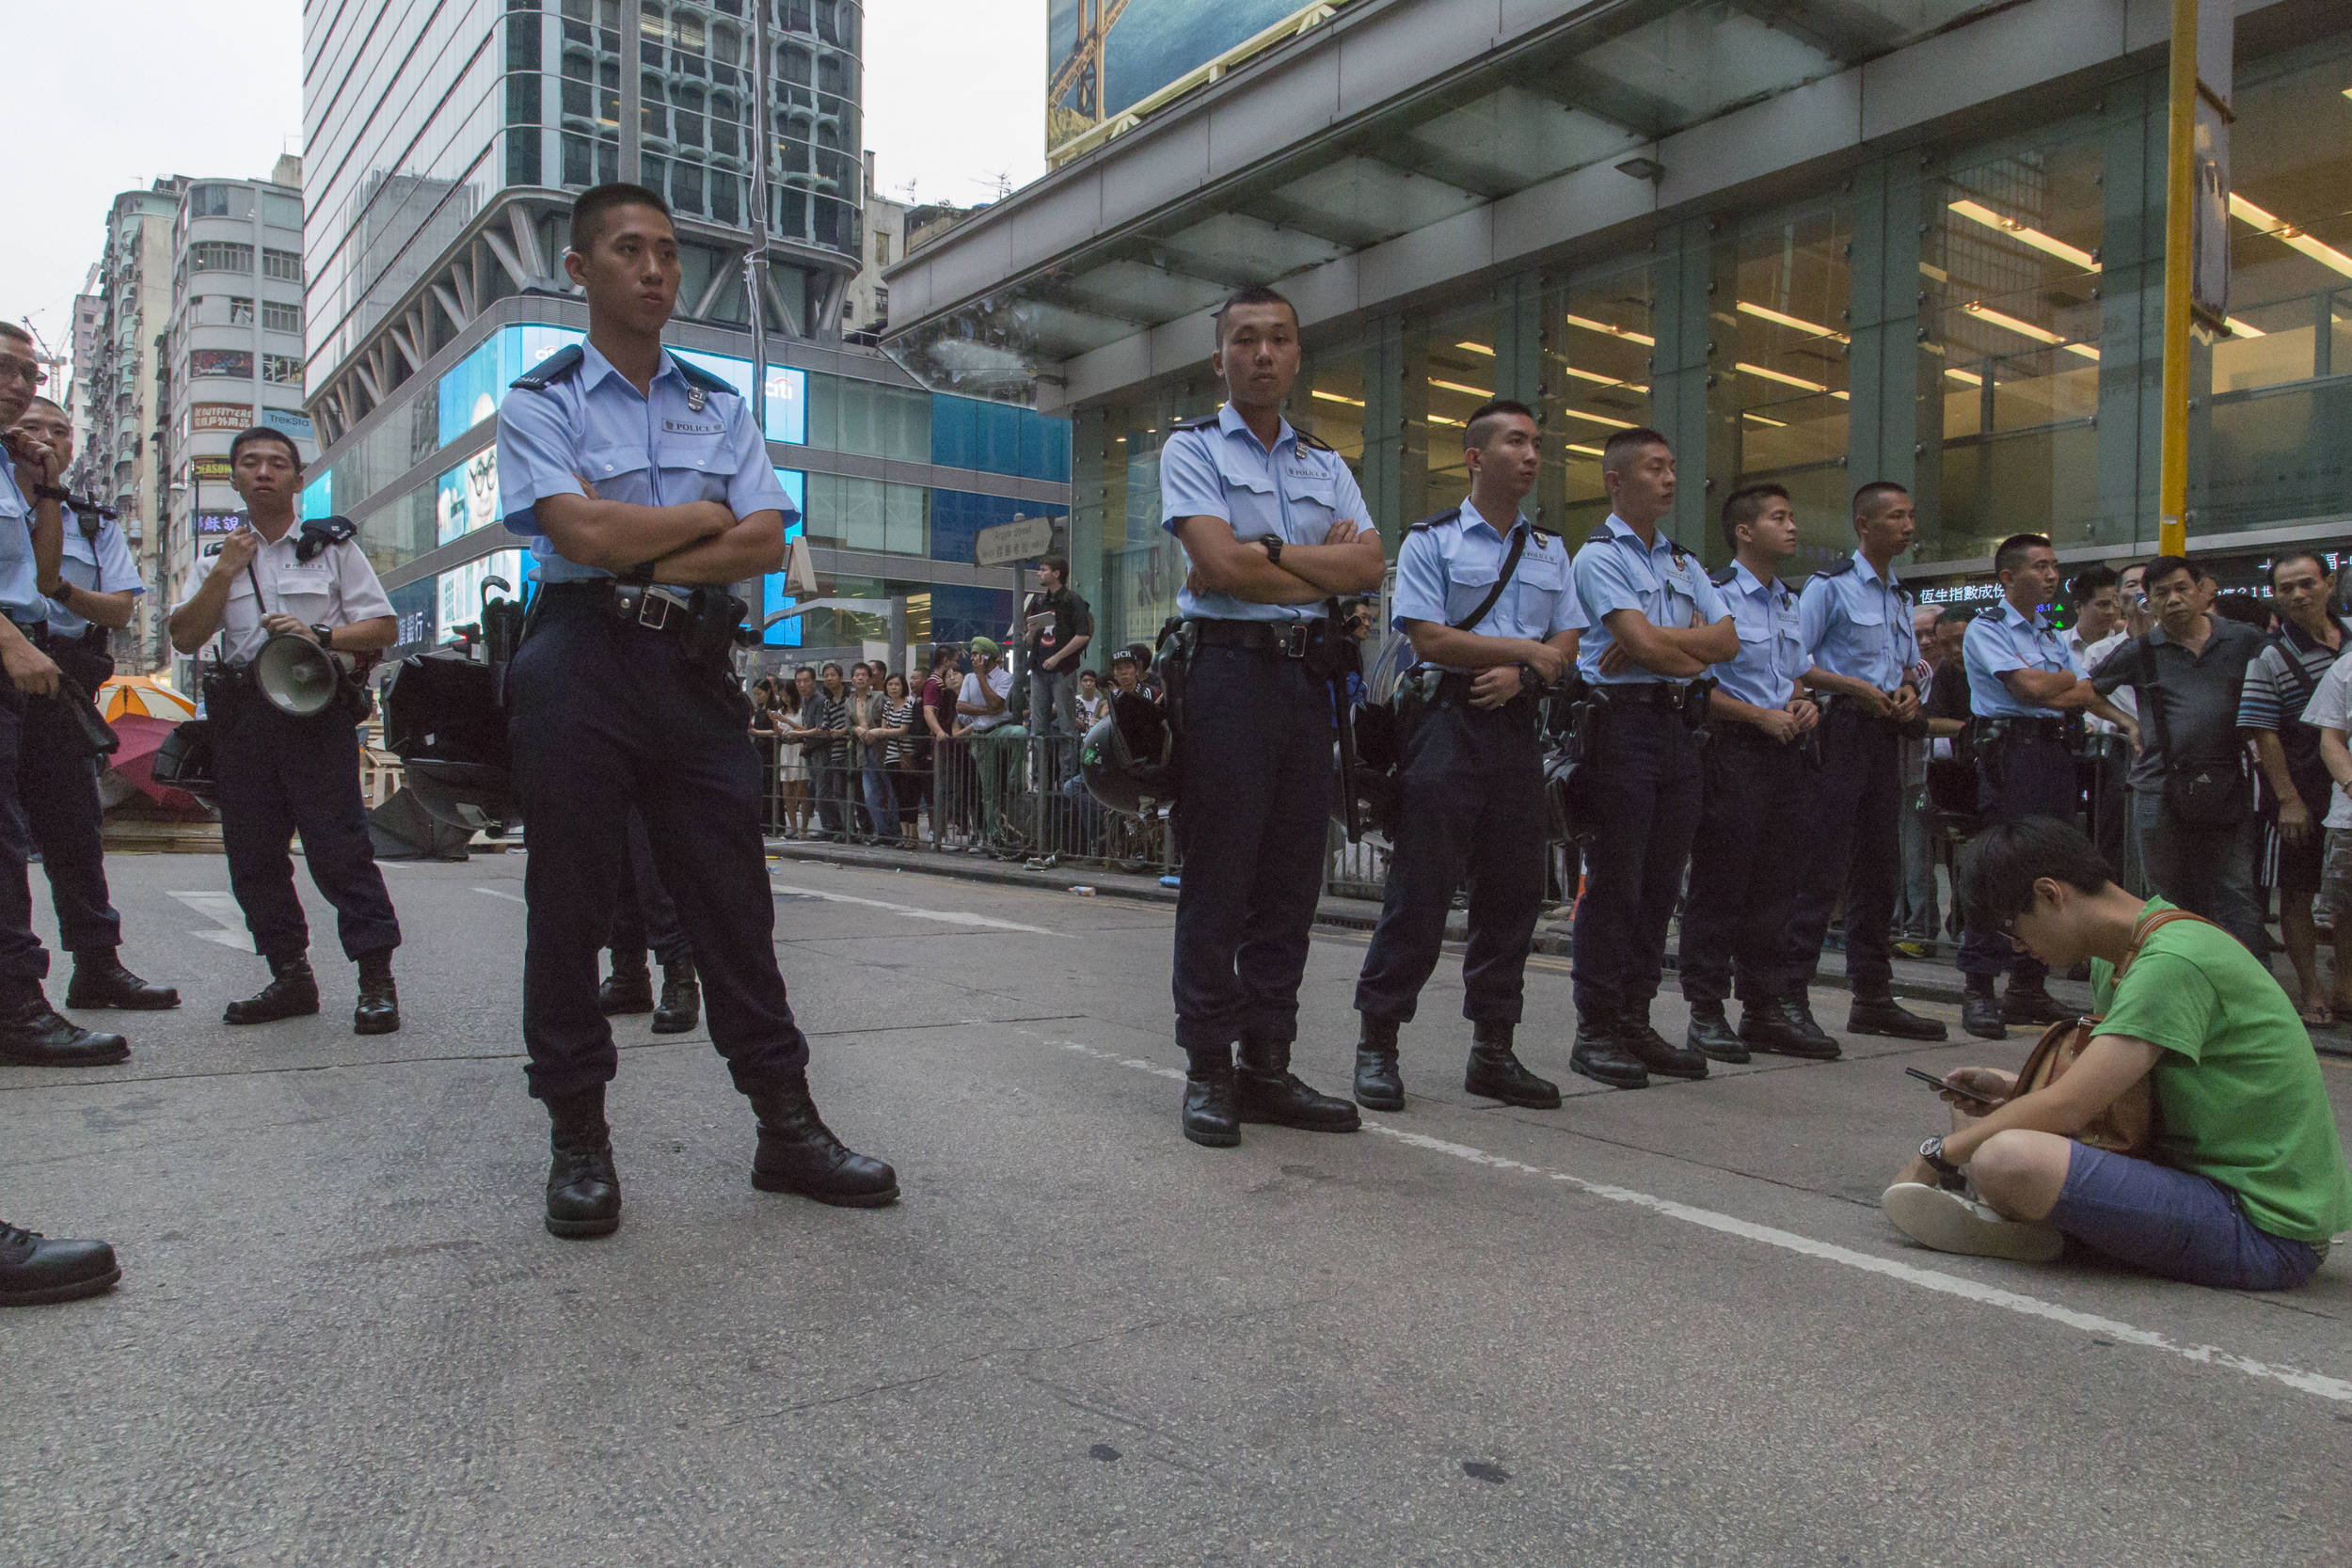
x=2239, y=1096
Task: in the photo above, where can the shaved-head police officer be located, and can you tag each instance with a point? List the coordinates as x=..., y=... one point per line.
x=1748, y=856
x=1859, y=635
x=645, y=487
x=1273, y=525
x=1656, y=626
x=1487, y=600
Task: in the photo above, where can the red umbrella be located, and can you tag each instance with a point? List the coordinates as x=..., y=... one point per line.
x=134, y=762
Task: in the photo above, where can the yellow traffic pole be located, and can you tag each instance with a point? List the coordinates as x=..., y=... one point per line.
x=2173, y=498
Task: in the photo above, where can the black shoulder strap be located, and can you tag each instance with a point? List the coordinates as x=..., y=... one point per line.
x=320, y=532
x=1203, y=422
x=1436, y=519
x=1722, y=578
x=1599, y=535
x=554, y=368
x=1502, y=580
x=2304, y=686
x=1838, y=571
x=1308, y=438
x=697, y=377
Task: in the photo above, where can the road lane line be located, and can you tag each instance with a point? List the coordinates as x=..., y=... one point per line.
x=2335, y=1388
x=508, y=897
x=953, y=917
x=221, y=908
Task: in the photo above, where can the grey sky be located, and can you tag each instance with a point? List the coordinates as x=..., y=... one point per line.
x=114, y=93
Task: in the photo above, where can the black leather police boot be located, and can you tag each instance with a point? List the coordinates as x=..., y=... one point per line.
x=1601, y=1055
x=1497, y=1073
x=629, y=988
x=1654, y=1051
x=101, y=981
x=1980, y=1012
x=378, y=1012
x=1787, y=1028
x=583, y=1189
x=1266, y=1090
x=1210, y=1118
x=1378, y=1085
x=681, y=999
x=798, y=1153
x=35, y=1270
x=33, y=1033
x=2031, y=1004
x=1711, y=1036
x=1883, y=1015
x=292, y=993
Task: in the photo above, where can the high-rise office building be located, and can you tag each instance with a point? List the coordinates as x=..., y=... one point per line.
x=442, y=149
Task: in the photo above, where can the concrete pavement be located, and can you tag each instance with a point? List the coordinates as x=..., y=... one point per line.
x=1662, y=1326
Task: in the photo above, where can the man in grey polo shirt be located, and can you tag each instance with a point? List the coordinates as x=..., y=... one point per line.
x=2198, y=663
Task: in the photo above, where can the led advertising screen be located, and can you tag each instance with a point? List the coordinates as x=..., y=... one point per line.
x=467, y=496
x=1104, y=56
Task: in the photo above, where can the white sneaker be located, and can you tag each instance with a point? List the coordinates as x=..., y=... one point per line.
x=1948, y=1222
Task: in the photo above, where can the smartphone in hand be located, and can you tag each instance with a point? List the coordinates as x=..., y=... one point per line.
x=1963, y=1091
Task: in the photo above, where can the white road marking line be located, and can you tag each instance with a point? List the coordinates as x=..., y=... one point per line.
x=1927, y=1279
x=953, y=917
x=221, y=908
x=508, y=897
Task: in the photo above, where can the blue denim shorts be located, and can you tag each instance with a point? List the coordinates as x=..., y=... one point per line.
x=2173, y=1223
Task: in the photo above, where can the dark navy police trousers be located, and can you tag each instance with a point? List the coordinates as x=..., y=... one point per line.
x=1745, y=861
x=1644, y=786
x=1852, y=848
x=2025, y=776
x=1470, y=802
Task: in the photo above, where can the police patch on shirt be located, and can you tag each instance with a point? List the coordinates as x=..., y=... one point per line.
x=683, y=427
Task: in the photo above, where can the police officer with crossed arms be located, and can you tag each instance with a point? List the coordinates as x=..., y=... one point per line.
x=645, y=486
x=1487, y=600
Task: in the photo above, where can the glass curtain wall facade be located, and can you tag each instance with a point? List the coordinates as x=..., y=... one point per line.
x=1981, y=324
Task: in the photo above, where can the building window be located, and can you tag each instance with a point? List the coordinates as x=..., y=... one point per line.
x=220, y=256
x=283, y=265
x=881, y=249
x=284, y=370
x=208, y=202
x=280, y=317
x=240, y=312
x=281, y=211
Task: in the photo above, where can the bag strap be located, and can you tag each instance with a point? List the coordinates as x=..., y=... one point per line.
x=2148, y=926
x=1494, y=596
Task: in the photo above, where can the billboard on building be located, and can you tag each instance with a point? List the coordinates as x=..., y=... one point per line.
x=212, y=470
x=217, y=416
x=468, y=496
x=234, y=364
x=1103, y=56
x=293, y=425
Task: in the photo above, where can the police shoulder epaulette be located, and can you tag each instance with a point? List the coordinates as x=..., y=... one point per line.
x=1436, y=519
x=1203, y=422
x=320, y=532
x=1599, y=535
x=1838, y=571
x=697, y=377
x=1308, y=438
x=1722, y=578
x=1675, y=550
x=554, y=368
x=1542, y=535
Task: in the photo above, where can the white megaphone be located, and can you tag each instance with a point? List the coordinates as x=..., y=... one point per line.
x=295, y=675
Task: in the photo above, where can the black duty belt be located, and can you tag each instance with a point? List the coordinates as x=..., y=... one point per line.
x=640, y=604
x=1453, y=690
x=92, y=637
x=2051, y=730
x=1665, y=696
x=1289, y=639
x=1750, y=734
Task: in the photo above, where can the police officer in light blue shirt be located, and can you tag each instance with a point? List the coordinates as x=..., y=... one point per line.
x=2023, y=688
x=98, y=589
x=1273, y=525
x=645, y=488
x=1656, y=623
x=1746, y=859
x=1490, y=606
x=1858, y=632
x=31, y=545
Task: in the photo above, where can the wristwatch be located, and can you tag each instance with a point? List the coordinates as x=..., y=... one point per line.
x=325, y=633
x=1273, y=542
x=1933, y=1152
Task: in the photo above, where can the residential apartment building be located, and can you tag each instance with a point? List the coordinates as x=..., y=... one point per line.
x=119, y=369
x=1818, y=243
x=233, y=355
x=442, y=153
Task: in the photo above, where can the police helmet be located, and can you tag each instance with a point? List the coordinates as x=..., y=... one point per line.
x=1129, y=756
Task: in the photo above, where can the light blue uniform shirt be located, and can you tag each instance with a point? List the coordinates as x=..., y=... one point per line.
x=1664, y=581
x=685, y=443
x=19, y=581
x=1445, y=570
x=102, y=566
x=1772, y=640
x=2006, y=640
x=1858, y=623
x=1296, y=491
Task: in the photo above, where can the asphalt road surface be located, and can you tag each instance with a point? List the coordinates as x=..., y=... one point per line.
x=1658, y=1327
